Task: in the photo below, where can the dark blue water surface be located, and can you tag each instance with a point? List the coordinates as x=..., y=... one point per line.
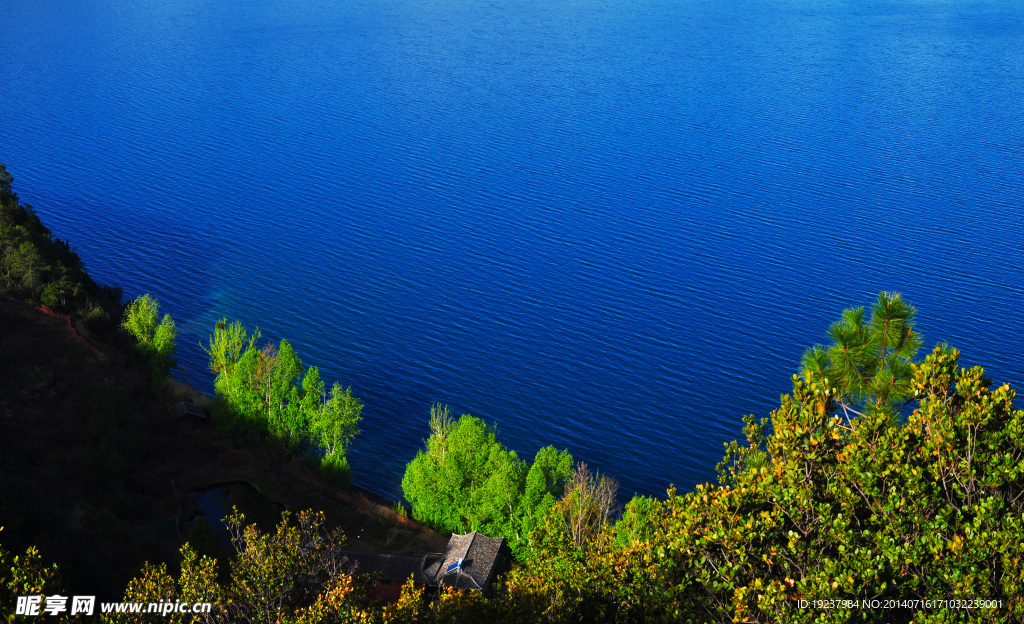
x=608, y=225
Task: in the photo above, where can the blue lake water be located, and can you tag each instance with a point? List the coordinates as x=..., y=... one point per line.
x=608, y=225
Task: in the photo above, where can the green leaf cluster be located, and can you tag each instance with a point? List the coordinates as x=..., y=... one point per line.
x=155, y=340
x=868, y=362
x=465, y=480
x=267, y=394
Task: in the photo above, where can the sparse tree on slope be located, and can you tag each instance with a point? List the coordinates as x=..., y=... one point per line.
x=155, y=339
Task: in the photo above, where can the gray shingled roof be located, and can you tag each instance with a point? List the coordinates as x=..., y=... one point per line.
x=480, y=558
x=386, y=567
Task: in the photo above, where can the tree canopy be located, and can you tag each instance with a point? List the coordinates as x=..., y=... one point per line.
x=868, y=362
x=266, y=393
x=465, y=480
x=155, y=340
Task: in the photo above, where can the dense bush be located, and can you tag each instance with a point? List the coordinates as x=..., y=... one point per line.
x=289, y=576
x=24, y=575
x=334, y=469
x=155, y=337
x=465, y=480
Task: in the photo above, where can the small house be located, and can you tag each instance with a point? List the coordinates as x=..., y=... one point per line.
x=470, y=561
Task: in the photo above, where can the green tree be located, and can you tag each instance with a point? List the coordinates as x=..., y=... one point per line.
x=638, y=522
x=28, y=263
x=227, y=344
x=278, y=369
x=868, y=362
x=242, y=396
x=61, y=291
x=446, y=484
x=335, y=422
x=141, y=318
x=156, y=340
x=466, y=480
x=331, y=422
x=545, y=483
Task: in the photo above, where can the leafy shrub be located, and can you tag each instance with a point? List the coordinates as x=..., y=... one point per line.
x=155, y=340
x=334, y=468
x=288, y=575
x=465, y=480
x=96, y=318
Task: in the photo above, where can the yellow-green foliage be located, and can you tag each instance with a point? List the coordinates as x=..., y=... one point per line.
x=155, y=340
x=24, y=575
x=829, y=508
x=289, y=576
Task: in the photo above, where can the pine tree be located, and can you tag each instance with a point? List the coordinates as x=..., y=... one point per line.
x=868, y=363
